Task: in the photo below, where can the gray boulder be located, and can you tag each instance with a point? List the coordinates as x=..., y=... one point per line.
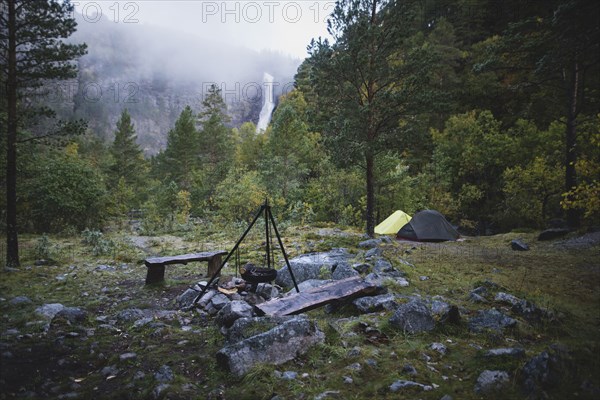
x=49, y=310
x=343, y=271
x=492, y=320
x=186, y=299
x=413, y=317
x=550, y=234
x=72, y=314
x=164, y=374
x=382, y=266
x=130, y=314
x=374, y=252
x=219, y=301
x=276, y=346
x=371, y=304
x=514, y=352
x=20, y=300
x=231, y=312
x=244, y=328
x=506, y=298
x=491, y=381
x=267, y=291
x=368, y=244
x=308, y=266
x=547, y=370
x=519, y=245
x=402, y=384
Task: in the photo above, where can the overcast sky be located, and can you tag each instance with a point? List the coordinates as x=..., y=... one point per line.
x=279, y=25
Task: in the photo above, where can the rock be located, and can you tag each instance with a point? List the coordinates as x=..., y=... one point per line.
x=550, y=234
x=343, y=271
x=348, y=380
x=20, y=300
x=519, y=245
x=361, y=268
x=309, y=284
x=547, y=370
x=72, y=314
x=206, y=298
x=244, y=328
x=103, y=267
x=233, y=311
x=492, y=320
x=371, y=304
x=127, y=356
x=328, y=394
x=476, y=298
x=368, y=244
x=402, y=282
x=110, y=370
x=491, y=381
x=423, y=278
x=506, y=298
x=219, y=301
x=509, y=352
x=439, y=347
x=403, y=261
x=142, y=322
x=164, y=374
x=49, y=310
x=382, y=266
x=130, y=314
x=267, y=291
x=446, y=397
x=531, y=312
x=413, y=317
x=186, y=299
x=158, y=390
x=409, y=369
x=372, y=253
x=402, y=384
x=308, y=266
x=439, y=307
x=278, y=345
x=289, y=375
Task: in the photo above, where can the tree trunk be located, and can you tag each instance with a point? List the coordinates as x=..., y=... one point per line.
x=370, y=159
x=12, y=242
x=571, y=144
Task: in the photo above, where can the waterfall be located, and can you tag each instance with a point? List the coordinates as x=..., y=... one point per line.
x=268, y=104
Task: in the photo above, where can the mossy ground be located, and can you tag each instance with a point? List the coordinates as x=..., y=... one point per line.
x=48, y=363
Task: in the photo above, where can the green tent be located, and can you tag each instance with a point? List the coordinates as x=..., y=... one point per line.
x=392, y=224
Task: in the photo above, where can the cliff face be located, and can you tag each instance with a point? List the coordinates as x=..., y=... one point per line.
x=155, y=73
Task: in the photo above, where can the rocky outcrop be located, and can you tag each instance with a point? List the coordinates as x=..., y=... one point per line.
x=413, y=317
x=312, y=266
x=276, y=346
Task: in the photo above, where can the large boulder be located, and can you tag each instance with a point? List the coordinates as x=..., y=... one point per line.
x=276, y=346
x=413, y=317
x=491, y=381
x=371, y=304
x=547, y=370
x=343, y=271
x=232, y=311
x=550, y=234
x=518, y=245
x=309, y=266
x=490, y=319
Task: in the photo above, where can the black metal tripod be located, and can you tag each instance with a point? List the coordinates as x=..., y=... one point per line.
x=266, y=208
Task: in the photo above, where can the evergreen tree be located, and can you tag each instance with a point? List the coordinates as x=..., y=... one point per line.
x=367, y=80
x=128, y=162
x=216, y=145
x=180, y=159
x=32, y=52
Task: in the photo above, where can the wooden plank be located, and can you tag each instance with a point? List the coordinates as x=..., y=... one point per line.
x=316, y=297
x=184, y=258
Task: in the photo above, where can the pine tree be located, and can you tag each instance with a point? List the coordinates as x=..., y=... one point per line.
x=180, y=159
x=32, y=52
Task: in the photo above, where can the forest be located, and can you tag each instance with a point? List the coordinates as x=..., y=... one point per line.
x=486, y=111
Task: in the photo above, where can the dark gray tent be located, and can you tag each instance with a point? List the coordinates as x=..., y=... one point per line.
x=428, y=226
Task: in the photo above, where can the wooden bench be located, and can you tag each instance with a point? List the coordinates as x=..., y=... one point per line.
x=156, y=265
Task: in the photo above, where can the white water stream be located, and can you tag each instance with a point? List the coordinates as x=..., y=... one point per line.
x=268, y=104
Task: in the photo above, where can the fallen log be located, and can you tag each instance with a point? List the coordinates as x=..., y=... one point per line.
x=297, y=303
